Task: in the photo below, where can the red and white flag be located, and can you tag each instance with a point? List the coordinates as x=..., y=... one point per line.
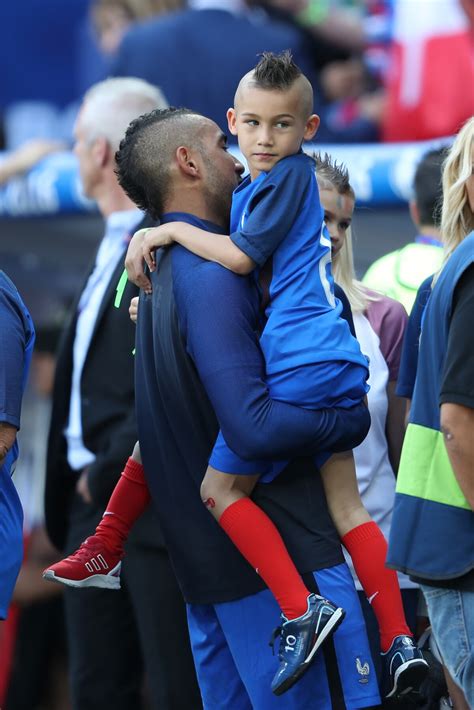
x=431, y=77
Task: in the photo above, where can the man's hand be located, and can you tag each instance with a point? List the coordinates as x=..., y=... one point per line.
x=134, y=262
x=26, y=156
x=82, y=487
x=133, y=309
x=7, y=439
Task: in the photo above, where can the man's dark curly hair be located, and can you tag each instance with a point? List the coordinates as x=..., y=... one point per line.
x=144, y=156
x=276, y=71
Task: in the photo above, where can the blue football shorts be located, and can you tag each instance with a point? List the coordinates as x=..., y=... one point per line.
x=235, y=665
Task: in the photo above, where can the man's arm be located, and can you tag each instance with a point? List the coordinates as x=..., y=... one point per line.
x=395, y=426
x=409, y=358
x=457, y=390
x=20, y=161
x=219, y=319
x=457, y=424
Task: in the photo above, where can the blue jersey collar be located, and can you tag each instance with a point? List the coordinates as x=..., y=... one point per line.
x=192, y=219
x=246, y=179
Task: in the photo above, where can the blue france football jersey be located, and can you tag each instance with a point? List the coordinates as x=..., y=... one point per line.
x=309, y=351
x=17, y=338
x=16, y=346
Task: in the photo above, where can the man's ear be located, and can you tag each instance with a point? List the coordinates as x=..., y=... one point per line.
x=186, y=160
x=101, y=151
x=414, y=212
x=312, y=125
x=232, y=121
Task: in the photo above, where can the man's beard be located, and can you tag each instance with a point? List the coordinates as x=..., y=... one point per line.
x=219, y=197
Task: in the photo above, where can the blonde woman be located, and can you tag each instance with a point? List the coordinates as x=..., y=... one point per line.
x=432, y=534
x=457, y=215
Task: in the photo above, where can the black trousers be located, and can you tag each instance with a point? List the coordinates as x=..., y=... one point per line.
x=116, y=636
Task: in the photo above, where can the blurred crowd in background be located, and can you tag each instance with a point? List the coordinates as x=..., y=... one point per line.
x=381, y=68
x=383, y=71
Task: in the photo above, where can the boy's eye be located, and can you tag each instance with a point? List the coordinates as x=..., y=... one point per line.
x=251, y=122
x=282, y=124
x=344, y=225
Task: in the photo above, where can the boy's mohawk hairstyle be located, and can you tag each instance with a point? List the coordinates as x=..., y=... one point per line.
x=276, y=71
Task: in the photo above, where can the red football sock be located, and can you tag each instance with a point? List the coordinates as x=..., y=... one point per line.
x=259, y=541
x=368, y=549
x=128, y=501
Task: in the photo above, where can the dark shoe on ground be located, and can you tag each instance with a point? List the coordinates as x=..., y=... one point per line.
x=92, y=565
x=300, y=638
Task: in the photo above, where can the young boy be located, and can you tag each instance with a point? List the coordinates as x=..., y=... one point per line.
x=311, y=360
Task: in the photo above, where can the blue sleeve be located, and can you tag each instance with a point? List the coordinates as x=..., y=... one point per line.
x=12, y=355
x=273, y=208
x=458, y=375
x=218, y=315
x=411, y=341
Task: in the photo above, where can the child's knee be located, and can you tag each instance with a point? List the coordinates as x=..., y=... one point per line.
x=209, y=493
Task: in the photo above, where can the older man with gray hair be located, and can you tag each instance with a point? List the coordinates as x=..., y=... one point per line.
x=111, y=635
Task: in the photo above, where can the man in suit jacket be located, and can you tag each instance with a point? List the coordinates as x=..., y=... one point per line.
x=92, y=433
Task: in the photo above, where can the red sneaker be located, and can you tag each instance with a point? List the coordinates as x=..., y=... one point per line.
x=92, y=565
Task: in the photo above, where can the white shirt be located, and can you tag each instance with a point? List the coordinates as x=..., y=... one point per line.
x=119, y=227
x=375, y=476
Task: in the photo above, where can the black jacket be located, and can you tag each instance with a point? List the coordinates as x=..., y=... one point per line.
x=108, y=413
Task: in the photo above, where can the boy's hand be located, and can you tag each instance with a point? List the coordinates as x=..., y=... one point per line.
x=133, y=309
x=153, y=239
x=134, y=262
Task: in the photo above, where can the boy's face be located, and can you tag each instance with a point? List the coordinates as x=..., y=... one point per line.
x=338, y=210
x=270, y=125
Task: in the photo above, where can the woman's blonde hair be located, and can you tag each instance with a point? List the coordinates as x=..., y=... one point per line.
x=332, y=175
x=457, y=218
x=344, y=274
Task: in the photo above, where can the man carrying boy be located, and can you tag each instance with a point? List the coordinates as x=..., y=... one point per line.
x=311, y=360
x=197, y=351
x=291, y=218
